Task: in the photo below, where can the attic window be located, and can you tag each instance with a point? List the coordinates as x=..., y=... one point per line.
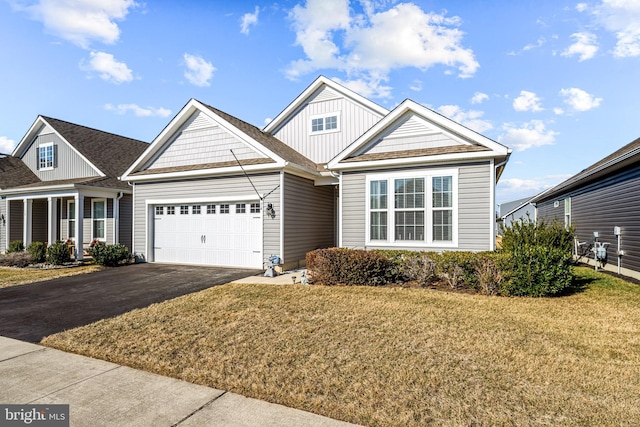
x=325, y=123
x=46, y=156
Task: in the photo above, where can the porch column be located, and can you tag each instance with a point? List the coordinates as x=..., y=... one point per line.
x=115, y=219
x=79, y=199
x=26, y=221
x=52, y=213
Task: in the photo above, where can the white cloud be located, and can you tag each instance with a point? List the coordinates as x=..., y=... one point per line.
x=507, y=187
x=539, y=43
x=527, y=101
x=80, y=21
x=585, y=46
x=138, y=111
x=471, y=119
x=369, y=46
x=479, y=98
x=6, y=145
x=621, y=17
x=369, y=86
x=581, y=7
x=199, y=72
x=559, y=111
x=248, y=20
x=579, y=100
x=529, y=135
x=108, y=68
x=416, y=85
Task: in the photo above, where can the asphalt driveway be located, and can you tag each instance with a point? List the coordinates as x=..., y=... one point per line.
x=31, y=312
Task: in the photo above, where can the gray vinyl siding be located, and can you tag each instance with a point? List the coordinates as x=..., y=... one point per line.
x=600, y=206
x=69, y=164
x=308, y=217
x=355, y=119
x=203, y=141
x=475, y=214
x=16, y=212
x=216, y=187
x=409, y=133
x=126, y=220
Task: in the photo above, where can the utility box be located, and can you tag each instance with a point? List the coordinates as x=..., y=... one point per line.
x=616, y=231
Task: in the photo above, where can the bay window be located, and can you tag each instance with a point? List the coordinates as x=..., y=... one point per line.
x=422, y=210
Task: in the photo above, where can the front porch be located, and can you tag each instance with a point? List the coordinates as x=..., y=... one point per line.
x=76, y=217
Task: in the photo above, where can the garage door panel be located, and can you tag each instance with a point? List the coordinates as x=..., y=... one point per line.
x=225, y=239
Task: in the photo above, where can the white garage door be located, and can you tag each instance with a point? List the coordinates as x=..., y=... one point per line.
x=225, y=234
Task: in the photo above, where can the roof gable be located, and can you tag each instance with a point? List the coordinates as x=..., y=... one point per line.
x=200, y=139
x=107, y=153
x=314, y=92
x=414, y=133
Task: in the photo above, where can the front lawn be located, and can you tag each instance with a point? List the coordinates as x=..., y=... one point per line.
x=10, y=276
x=393, y=356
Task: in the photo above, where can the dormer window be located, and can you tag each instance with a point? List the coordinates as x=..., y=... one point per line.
x=46, y=156
x=325, y=123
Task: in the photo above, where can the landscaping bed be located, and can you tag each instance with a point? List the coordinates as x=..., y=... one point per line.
x=395, y=356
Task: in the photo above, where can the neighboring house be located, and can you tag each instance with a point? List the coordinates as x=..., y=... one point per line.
x=516, y=210
x=333, y=168
x=61, y=182
x=601, y=197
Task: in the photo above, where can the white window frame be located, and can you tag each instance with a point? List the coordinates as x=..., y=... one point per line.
x=44, y=165
x=324, y=118
x=567, y=213
x=94, y=219
x=428, y=241
x=71, y=211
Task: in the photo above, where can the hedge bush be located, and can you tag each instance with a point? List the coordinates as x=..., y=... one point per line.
x=58, y=253
x=16, y=259
x=526, y=232
x=110, y=255
x=15, y=246
x=350, y=267
x=38, y=251
x=538, y=271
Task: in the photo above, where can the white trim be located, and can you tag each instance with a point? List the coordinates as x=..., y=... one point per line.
x=428, y=209
x=492, y=205
x=408, y=161
x=448, y=127
x=39, y=156
x=93, y=233
x=203, y=200
x=68, y=210
x=177, y=123
x=281, y=254
x=340, y=209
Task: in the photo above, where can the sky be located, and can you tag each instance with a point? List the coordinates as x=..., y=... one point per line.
x=556, y=81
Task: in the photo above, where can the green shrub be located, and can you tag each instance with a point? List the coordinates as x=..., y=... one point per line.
x=458, y=269
x=15, y=246
x=526, y=232
x=38, y=251
x=58, y=253
x=110, y=255
x=538, y=271
x=349, y=267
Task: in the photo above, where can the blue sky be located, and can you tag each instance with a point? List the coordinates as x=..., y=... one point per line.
x=557, y=81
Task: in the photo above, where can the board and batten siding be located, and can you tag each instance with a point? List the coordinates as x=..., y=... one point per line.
x=68, y=165
x=125, y=221
x=228, y=188
x=475, y=214
x=309, y=218
x=355, y=119
x=202, y=141
x=611, y=201
x=16, y=212
x=3, y=225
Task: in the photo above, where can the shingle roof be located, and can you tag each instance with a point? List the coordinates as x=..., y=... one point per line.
x=110, y=153
x=418, y=153
x=93, y=181
x=201, y=166
x=14, y=172
x=613, y=160
x=268, y=140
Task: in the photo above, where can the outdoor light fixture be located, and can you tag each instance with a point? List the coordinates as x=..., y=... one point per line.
x=270, y=211
x=2, y=219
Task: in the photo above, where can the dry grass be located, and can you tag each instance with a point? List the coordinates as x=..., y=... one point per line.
x=395, y=356
x=21, y=276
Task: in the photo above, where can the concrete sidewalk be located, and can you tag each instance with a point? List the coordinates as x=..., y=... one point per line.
x=105, y=394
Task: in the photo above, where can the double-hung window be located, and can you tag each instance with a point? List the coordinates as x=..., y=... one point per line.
x=99, y=219
x=71, y=219
x=46, y=156
x=416, y=209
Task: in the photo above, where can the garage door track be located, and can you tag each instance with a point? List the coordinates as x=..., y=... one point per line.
x=31, y=312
